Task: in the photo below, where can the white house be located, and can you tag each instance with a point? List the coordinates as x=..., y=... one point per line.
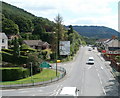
x=3, y=41
x=112, y=46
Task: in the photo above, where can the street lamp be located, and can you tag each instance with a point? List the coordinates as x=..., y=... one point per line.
x=31, y=70
x=56, y=56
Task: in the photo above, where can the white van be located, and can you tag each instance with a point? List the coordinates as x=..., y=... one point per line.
x=69, y=91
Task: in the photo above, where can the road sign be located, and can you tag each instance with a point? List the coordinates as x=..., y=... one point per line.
x=44, y=65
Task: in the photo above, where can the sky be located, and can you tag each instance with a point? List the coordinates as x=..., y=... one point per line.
x=74, y=12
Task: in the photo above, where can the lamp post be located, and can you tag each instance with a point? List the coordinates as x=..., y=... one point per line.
x=31, y=70
x=56, y=50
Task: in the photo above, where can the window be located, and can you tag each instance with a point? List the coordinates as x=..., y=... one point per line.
x=3, y=41
x=3, y=47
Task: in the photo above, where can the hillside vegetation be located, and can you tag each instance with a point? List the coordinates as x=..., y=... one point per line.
x=95, y=31
x=17, y=21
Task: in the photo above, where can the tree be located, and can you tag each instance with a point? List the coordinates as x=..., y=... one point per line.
x=16, y=48
x=9, y=27
x=70, y=29
x=35, y=59
x=38, y=30
x=59, y=31
x=25, y=25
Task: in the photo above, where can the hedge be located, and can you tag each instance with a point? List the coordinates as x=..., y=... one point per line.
x=7, y=57
x=8, y=50
x=15, y=73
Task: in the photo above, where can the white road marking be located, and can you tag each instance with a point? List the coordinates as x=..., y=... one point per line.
x=56, y=91
x=9, y=90
x=104, y=90
x=101, y=84
x=101, y=67
x=23, y=91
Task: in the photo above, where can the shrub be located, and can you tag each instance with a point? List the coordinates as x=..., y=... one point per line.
x=8, y=50
x=7, y=57
x=15, y=73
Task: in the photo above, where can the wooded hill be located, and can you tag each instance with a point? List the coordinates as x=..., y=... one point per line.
x=20, y=21
x=95, y=31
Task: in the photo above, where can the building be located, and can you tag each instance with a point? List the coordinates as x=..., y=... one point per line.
x=112, y=46
x=3, y=41
x=36, y=44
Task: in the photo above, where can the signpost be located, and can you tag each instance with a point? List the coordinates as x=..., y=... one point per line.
x=44, y=65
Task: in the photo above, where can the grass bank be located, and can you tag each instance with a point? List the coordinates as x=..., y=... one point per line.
x=45, y=75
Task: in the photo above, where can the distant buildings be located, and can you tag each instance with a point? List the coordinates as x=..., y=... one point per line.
x=36, y=44
x=3, y=41
x=112, y=46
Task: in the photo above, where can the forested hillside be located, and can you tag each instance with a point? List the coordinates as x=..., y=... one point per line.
x=16, y=20
x=95, y=31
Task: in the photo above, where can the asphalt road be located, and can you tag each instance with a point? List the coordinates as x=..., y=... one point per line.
x=91, y=80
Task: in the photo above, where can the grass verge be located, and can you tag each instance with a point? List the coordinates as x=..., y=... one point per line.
x=45, y=75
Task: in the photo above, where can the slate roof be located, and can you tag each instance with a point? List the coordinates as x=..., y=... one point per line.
x=34, y=42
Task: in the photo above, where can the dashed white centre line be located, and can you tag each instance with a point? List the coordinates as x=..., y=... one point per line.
x=101, y=67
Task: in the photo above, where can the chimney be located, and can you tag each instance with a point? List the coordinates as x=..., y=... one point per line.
x=114, y=37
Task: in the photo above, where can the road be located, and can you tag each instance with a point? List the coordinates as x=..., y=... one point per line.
x=91, y=80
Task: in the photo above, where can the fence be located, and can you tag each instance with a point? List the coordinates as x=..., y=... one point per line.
x=34, y=83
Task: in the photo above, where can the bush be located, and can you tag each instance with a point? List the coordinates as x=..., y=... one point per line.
x=15, y=73
x=7, y=57
x=8, y=50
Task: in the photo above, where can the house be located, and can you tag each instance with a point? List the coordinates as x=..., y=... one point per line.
x=102, y=41
x=36, y=44
x=3, y=41
x=112, y=46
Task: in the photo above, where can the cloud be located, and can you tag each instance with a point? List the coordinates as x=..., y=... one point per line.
x=73, y=11
x=110, y=21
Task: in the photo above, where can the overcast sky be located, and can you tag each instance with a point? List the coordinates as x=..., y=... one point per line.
x=74, y=12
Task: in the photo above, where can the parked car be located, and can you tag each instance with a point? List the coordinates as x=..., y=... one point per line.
x=69, y=91
x=90, y=60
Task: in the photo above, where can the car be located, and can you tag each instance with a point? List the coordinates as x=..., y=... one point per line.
x=69, y=91
x=90, y=60
x=89, y=49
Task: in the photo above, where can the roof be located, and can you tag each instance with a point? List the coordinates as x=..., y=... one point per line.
x=91, y=58
x=3, y=36
x=102, y=40
x=34, y=42
x=113, y=43
x=68, y=91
